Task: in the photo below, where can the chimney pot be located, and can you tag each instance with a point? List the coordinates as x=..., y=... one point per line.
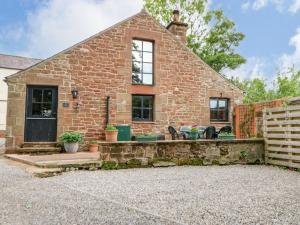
x=177, y=27
x=176, y=15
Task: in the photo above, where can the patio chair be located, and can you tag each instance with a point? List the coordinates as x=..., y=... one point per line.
x=210, y=133
x=173, y=132
x=226, y=129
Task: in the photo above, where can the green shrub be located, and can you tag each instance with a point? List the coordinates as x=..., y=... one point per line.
x=194, y=130
x=70, y=137
x=110, y=128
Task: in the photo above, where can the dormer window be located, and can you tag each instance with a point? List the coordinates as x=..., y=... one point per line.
x=142, y=62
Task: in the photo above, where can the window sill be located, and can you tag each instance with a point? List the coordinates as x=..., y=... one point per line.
x=144, y=122
x=147, y=85
x=220, y=122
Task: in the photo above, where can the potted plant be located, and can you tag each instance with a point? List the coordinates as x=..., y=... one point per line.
x=146, y=138
x=93, y=146
x=194, y=134
x=226, y=136
x=111, y=133
x=71, y=141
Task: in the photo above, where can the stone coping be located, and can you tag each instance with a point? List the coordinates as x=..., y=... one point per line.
x=184, y=141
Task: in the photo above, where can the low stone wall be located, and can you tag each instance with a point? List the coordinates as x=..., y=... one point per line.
x=200, y=152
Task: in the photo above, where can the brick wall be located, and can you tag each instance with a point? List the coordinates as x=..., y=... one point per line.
x=204, y=152
x=101, y=66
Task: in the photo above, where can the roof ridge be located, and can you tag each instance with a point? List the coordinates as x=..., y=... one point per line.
x=18, y=56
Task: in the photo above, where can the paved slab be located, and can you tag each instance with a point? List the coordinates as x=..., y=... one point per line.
x=56, y=160
x=177, y=195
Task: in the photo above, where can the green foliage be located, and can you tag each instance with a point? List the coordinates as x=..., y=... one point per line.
x=70, y=137
x=194, y=130
x=244, y=154
x=110, y=128
x=109, y=165
x=286, y=84
x=211, y=35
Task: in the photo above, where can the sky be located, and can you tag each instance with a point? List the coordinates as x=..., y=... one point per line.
x=41, y=28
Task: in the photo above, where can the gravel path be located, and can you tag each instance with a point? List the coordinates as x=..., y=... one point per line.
x=178, y=195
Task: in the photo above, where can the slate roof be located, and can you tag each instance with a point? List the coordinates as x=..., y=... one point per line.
x=17, y=62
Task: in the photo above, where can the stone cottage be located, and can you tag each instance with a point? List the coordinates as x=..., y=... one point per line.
x=136, y=72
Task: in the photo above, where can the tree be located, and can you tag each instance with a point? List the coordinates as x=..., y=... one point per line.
x=286, y=84
x=211, y=35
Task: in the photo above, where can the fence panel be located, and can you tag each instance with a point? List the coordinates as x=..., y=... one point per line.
x=281, y=127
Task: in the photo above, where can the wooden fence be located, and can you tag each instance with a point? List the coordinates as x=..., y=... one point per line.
x=281, y=127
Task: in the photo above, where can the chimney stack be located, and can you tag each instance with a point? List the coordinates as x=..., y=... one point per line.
x=177, y=27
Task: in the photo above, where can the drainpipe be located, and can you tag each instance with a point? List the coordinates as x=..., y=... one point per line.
x=107, y=110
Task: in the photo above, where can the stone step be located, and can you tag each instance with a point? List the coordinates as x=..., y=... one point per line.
x=38, y=150
x=39, y=144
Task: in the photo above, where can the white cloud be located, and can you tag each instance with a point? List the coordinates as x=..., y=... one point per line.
x=254, y=68
x=288, y=60
x=246, y=5
x=260, y=4
x=57, y=24
x=295, y=6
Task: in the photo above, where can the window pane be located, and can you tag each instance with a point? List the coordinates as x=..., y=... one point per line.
x=136, y=114
x=47, y=96
x=147, y=57
x=147, y=114
x=136, y=56
x=222, y=115
x=36, y=109
x=137, y=45
x=213, y=103
x=213, y=114
x=147, y=67
x=46, y=110
x=137, y=78
x=148, y=101
x=136, y=67
x=147, y=79
x=136, y=101
x=147, y=46
x=222, y=103
x=37, y=95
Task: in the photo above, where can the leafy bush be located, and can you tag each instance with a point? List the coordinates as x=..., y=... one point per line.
x=194, y=130
x=70, y=137
x=111, y=128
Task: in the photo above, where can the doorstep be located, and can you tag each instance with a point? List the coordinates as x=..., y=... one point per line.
x=62, y=160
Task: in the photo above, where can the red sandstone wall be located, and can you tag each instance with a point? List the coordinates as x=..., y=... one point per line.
x=101, y=66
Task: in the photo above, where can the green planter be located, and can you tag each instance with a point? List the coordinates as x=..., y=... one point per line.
x=124, y=133
x=226, y=137
x=146, y=138
x=193, y=136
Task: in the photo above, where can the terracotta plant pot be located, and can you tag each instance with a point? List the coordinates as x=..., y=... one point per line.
x=93, y=147
x=111, y=135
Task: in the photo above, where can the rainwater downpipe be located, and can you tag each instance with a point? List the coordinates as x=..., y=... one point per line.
x=107, y=110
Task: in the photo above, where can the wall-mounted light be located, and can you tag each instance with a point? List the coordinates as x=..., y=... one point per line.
x=74, y=93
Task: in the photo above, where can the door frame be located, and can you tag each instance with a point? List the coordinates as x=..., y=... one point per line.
x=56, y=87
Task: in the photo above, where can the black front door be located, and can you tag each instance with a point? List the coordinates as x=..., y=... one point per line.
x=41, y=114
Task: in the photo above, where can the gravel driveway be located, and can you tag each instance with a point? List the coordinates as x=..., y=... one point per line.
x=178, y=195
